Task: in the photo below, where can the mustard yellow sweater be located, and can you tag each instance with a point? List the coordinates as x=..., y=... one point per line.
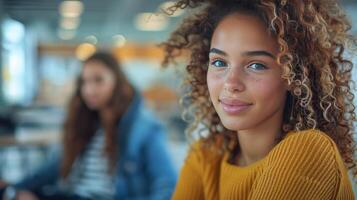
x=304, y=165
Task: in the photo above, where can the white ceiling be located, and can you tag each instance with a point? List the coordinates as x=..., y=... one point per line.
x=102, y=18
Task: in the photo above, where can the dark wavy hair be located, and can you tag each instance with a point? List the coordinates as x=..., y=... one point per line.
x=81, y=122
x=313, y=36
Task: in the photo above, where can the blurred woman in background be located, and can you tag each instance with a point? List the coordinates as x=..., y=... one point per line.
x=113, y=147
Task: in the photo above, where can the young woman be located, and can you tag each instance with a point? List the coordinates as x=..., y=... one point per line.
x=113, y=147
x=270, y=82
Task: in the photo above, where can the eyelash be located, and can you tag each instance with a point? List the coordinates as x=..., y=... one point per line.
x=213, y=63
x=218, y=60
x=264, y=67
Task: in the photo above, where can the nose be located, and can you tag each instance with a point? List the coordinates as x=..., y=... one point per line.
x=234, y=80
x=88, y=88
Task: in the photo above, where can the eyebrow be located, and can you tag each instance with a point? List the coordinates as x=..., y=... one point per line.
x=259, y=53
x=217, y=51
x=247, y=53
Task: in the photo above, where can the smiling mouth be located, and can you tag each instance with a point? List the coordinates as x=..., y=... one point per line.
x=233, y=106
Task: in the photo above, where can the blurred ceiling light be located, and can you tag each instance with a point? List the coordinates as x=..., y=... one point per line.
x=119, y=40
x=84, y=50
x=91, y=39
x=71, y=8
x=69, y=23
x=151, y=21
x=66, y=34
x=166, y=8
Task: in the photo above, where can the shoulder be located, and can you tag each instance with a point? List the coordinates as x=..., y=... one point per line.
x=145, y=124
x=305, y=152
x=313, y=141
x=144, y=131
x=138, y=117
x=310, y=133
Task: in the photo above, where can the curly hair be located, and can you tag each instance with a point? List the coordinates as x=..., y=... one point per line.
x=313, y=36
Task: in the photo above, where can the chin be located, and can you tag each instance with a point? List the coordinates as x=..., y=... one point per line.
x=92, y=106
x=235, y=124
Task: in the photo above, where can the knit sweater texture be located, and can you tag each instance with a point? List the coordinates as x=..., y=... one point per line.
x=304, y=165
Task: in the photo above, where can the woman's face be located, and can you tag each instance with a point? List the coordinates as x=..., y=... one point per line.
x=98, y=84
x=244, y=79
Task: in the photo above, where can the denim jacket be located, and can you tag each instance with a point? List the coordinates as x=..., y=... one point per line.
x=144, y=169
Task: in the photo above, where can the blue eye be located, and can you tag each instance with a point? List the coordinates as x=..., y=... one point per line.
x=257, y=66
x=219, y=63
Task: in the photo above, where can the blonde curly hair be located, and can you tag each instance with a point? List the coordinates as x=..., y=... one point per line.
x=313, y=36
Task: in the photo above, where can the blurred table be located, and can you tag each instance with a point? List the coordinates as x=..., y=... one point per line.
x=23, y=152
x=29, y=139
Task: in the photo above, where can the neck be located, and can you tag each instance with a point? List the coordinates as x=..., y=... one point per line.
x=256, y=143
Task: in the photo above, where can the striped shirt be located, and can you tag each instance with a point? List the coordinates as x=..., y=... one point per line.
x=89, y=176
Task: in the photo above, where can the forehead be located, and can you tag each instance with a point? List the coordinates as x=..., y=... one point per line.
x=94, y=68
x=243, y=32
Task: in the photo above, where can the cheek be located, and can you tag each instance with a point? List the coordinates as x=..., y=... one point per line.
x=269, y=91
x=107, y=89
x=87, y=89
x=214, y=84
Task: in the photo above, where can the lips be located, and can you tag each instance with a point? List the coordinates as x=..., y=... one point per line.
x=91, y=100
x=233, y=106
